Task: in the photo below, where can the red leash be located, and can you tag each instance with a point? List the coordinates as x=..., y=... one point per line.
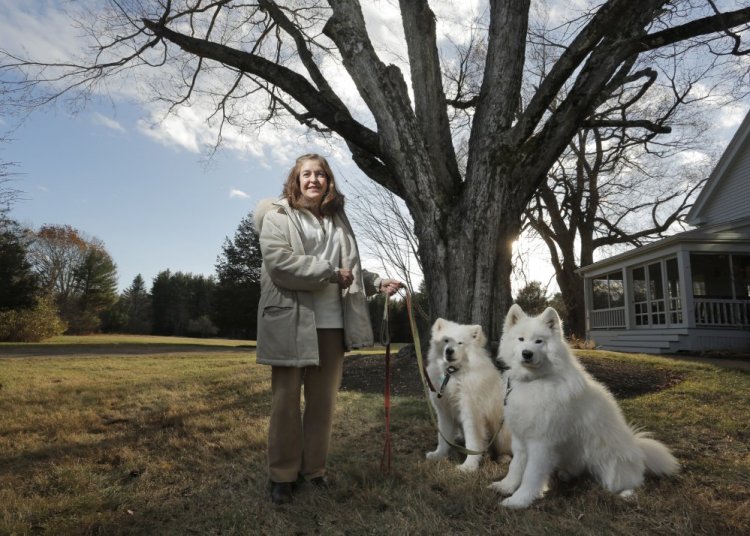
x=385, y=338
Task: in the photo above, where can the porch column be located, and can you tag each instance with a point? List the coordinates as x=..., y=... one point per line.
x=686, y=287
x=587, y=303
x=627, y=297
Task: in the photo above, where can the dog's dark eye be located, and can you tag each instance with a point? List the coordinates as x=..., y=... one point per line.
x=538, y=341
x=520, y=339
x=460, y=343
x=445, y=341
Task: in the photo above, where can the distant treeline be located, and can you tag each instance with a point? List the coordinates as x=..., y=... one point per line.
x=58, y=280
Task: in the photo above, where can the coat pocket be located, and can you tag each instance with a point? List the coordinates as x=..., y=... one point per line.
x=277, y=331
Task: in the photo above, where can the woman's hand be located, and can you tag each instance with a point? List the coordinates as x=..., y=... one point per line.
x=389, y=286
x=345, y=277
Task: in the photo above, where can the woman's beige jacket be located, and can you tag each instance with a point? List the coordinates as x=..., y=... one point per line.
x=287, y=334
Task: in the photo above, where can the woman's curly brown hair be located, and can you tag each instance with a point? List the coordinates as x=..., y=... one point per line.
x=333, y=201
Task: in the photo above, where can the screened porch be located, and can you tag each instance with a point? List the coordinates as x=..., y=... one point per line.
x=715, y=294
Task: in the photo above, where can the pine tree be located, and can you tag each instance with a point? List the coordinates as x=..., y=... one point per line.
x=238, y=291
x=180, y=301
x=532, y=298
x=18, y=283
x=95, y=290
x=135, y=307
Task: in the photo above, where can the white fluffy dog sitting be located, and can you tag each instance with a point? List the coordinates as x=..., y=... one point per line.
x=470, y=392
x=562, y=419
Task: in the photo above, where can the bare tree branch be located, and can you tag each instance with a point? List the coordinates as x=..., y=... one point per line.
x=703, y=26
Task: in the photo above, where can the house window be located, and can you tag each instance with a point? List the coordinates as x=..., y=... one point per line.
x=656, y=294
x=608, y=301
x=650, y=306
x=640, y=297
x=741, y=273
x=712, y=276
x=608, y=291
x=722, y=289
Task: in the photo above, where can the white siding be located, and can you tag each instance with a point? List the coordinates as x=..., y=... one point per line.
x=731, y=200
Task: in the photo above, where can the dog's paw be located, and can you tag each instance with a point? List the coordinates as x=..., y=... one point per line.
x=514, y=501
x=627, y=494
x=504, y=487
x=436, y=455
x=468, y=467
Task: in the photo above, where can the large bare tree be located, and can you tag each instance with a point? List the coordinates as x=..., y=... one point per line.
x=465, y=182
x=596, y=197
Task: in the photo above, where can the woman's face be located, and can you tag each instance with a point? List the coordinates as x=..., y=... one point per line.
x=313, y=181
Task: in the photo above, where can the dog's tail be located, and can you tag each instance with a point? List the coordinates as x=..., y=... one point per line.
x=657, y=457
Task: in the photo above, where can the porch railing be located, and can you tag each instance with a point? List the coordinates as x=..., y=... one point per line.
x=734, y=313
x=608, y=318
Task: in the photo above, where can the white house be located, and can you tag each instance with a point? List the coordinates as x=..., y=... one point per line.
x=690, y=291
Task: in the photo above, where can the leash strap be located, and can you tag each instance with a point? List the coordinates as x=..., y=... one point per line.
x=426, y=383
x=385, y=339
x=429, y=387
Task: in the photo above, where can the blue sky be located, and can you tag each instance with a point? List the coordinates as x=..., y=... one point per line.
x=118, y=171
x=155, y=206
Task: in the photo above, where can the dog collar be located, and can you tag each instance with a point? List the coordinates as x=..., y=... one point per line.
x=448, y=372
x=508, y=389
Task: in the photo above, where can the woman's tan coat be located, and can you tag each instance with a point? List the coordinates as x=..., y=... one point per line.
x=287, y=334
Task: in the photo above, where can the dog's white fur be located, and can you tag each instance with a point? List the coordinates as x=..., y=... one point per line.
x=562, y=419
x=472, y=400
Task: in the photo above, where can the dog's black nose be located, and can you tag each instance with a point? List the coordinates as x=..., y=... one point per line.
x=449, y=353
x=527, y=355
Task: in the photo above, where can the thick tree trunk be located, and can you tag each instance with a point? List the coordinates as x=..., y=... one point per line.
x=571, y=288
x=466, y=257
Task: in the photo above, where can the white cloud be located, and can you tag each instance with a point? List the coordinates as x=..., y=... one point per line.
x=239, y=194
x=692, y=158
x=40, y=30
x=183, y=129
x=105, y=121
x=731, y=116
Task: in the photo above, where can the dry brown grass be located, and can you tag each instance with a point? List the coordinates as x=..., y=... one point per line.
x=174, y=443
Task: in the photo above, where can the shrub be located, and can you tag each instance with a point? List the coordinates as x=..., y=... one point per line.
x=83, y=323
x=581, y=344
x=201, y=327
x=32, y=324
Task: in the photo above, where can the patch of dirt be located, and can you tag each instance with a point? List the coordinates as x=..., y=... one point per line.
x=628, y=380
x=366, y=373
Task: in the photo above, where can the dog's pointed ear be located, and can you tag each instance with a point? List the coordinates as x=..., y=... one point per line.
x=437, y=327
x=515, y=313
x=477, y=333
x=551, y=319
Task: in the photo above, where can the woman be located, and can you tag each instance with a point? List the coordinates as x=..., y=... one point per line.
x=312, y=307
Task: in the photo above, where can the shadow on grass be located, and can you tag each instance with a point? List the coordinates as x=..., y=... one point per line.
x=67, y=350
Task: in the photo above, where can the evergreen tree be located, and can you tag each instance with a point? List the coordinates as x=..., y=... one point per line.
x=136, y=305
x=180, y=300
x=18, y=283
x=532, y=298
x=95, y=290
x=241, y=258
x=238, y=289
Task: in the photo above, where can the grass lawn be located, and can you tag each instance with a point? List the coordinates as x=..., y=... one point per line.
x=171, y=440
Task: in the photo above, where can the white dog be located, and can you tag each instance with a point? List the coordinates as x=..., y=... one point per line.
x=562, y=419
x=469, y=393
